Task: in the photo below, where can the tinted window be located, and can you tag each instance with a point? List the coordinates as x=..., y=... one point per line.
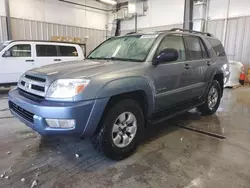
x=175, y=42
x=46, y=50
x=20, y=50
x=68, y=51
x=194, y=47
x=217, y=46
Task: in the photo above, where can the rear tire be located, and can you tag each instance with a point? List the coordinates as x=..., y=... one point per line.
x=213, y=99
x=119, y=134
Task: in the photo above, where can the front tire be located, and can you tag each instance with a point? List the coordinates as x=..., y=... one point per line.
x=213, y=99
x=119, y=134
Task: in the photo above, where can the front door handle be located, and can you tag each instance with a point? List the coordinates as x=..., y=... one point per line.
x=208, y=63
x=57, y=59
x=29, y=60
x=187, y=66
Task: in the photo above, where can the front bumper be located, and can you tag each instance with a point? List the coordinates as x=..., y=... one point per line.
x=33, y=113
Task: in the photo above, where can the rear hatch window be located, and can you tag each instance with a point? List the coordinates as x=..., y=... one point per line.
x=217, y=46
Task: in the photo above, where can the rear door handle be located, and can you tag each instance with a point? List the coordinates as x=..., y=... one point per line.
x=29, y=60
x=57, y=59
x=208, y=63
x=187, y=66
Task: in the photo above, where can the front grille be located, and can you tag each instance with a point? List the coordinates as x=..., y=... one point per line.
x=38, y=88
x=22, y=112
x=38, y=79
x=23, y=83
x=30, y=96
x=33, y=84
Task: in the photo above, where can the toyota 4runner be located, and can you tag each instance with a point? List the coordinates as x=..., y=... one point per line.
x=126, y=82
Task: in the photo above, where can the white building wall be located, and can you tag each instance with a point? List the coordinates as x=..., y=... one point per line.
x=53, y=11
x=2, y=8
x=218, y=9
x=160, y=13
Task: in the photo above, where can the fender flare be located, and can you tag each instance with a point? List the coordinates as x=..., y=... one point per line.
x=129, y=84
x=215, y=72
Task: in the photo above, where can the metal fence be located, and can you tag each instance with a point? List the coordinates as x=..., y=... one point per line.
x=237, y=37
x=3, y=29
x=36, y=30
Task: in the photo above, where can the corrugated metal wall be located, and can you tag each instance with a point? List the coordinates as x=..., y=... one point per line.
x=35, y=30
x=237, y=41
x=3, y=29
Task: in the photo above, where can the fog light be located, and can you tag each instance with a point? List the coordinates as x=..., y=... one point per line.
x=61, y=123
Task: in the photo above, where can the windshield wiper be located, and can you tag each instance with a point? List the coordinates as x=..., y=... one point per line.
x=125, y=59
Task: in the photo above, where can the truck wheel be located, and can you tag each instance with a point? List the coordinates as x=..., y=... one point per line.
x=212, y=100
x=120, y=131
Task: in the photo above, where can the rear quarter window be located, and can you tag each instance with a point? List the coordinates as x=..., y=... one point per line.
x=68, y=51
x=217, y=46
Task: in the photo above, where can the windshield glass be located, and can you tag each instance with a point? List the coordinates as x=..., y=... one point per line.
x=126, y=48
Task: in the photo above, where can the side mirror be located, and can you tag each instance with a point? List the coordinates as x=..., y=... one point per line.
x=166, y=55
x=7, y=54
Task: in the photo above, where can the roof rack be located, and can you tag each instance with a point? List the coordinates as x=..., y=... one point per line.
x=130, y=33
x=52, y=41
x=192, y=31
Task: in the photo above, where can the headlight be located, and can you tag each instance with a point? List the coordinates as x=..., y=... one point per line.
x=66, y=88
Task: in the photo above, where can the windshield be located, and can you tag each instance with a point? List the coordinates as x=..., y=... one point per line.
x=126, y=48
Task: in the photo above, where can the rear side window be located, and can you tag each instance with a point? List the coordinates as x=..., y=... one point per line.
x=68, y=51
x=20, y=50
x=46, y=50
x=194, y=47
x=217, y=46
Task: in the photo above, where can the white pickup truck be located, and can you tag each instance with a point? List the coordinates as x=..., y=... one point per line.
x=19, y=56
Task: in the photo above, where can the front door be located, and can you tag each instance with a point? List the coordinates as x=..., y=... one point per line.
x=15, y=61
x=171, y=78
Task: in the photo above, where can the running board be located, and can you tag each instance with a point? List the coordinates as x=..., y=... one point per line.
x=172, y=112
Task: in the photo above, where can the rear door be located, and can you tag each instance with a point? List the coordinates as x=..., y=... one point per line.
x=46, y=54
x=199, y=61
x=15, y=61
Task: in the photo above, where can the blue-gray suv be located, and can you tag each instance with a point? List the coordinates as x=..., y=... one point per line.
x=126, y=82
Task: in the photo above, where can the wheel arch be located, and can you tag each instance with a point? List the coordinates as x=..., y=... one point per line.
x=138, y=88
x=216, y=75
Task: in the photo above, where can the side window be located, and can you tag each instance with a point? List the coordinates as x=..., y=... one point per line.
x=194, y=47
x=19, y=50
x=175, y=42
x=46, y=50
x=68, y=51
x=217, y=46
x=203, y=50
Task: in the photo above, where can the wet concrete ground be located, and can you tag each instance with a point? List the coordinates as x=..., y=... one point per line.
x=169, y=156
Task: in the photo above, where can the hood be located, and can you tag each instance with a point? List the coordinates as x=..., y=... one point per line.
x=85, y=68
